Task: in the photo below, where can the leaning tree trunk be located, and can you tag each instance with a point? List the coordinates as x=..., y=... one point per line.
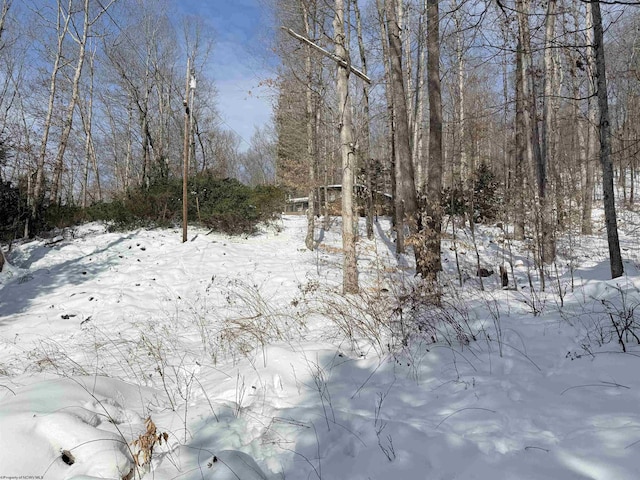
x=615, y=258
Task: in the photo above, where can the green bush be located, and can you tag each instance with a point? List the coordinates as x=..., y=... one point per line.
x=13, y=211
x=455, y=201
x=60, y=216
x=269, y=200
x=225, y=205
x=485, y=200
x=114, y=211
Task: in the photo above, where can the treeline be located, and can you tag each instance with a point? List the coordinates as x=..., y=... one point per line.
x=91, y=107
x=442, y=91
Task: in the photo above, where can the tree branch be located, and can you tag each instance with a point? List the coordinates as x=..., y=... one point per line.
x=327, y=53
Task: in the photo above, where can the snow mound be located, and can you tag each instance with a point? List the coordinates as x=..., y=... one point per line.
x=68, y=428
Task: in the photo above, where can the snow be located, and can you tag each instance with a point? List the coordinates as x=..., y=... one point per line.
x=243, y=351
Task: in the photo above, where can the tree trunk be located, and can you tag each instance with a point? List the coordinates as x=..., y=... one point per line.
x=406, y=205
x=592, y=138
x=390, y=122
x=75, y=93
x=418, y=117
x=89, y=147
x=38, y=189
x=461, y=170
x=615, y=257
x=350, y=270
x=309, y=240
x=548, y=245
x=366, y=133
x=430, y=263
x=521, y=146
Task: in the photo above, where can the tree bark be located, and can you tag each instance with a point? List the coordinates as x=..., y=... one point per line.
x=430, y=262
x=548, y=244
x=347, y=149
x=406, y=205
x=521, y=146
x=63, y=28
x=615, y=257
x=390, y=115
x=592, y=134
x=460, y=162
x=418, y=117
x=366, y=131
x=309, y=240
x=89, y=146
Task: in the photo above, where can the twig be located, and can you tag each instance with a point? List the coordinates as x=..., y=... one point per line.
x=462, y=410
x=530, y=447
x=601, y=384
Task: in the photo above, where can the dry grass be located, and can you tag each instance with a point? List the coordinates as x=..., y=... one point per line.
x=146, y=442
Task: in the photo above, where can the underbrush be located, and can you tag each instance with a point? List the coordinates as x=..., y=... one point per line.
x=613, y=318
x=223, y=205
x=388, y=320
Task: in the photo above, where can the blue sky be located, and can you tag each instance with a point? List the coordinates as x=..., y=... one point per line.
x=238, y=60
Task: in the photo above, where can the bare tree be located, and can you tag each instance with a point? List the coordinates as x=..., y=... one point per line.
x=615, y=257
x=406, y=205
x=63, y=19
x=592, y=146
x=366, y=130
x=347, y=149
x=89, y=146
x=259, y=160
x=312, y=128
x=4, y=10
x=430, y=263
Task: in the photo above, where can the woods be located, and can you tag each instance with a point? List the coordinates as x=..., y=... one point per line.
x=91, y=103
x=513, y=90
x=415, y=101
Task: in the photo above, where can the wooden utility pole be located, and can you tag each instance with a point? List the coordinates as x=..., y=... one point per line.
x=185, y=151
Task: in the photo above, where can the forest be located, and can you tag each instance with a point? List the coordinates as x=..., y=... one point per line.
x=520, y=113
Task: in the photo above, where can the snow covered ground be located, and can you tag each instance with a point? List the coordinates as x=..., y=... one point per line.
x=129, y=355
